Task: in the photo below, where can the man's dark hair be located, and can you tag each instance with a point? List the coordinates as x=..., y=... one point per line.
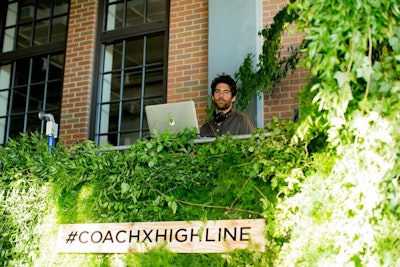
x=224, y=78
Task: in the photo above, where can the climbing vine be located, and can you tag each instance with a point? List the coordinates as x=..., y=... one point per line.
x=263, y=76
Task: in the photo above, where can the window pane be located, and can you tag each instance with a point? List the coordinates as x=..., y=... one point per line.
x=19, y=100
x=129, y=138
x=34, y=124
x=112, y=57
x=114, y=19
x=115, y=86
x=16, y=125
x=110, y=118
x=104, y=114
x=54, y=93
x=56, y=67
x=36, y=98
x=24, y=36
x=134, y=53
x=106, y=86
x=27, y=11
x=111, y=87
x=156, y=11
x=154, y=82
x=60, y=7
x=114, y=117
x=43, y=10
x=131, y=116
x=103, y=139
x=131, y=108
x=155, y=49
x=59, y=29
x=3, y=123
x=135, y=13
x=133, y=84
x=9, y=36
x=111, y=139
x=39, y=69
x=5, y=76
x=4, y=102
x=12, y=14
x=41, y=32
x=22, y=71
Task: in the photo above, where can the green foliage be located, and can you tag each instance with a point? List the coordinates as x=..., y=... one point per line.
x=26, y=197
x=347, y=214
x=271, y=68
x=167, y=178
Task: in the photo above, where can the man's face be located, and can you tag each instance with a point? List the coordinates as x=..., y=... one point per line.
x=223, y=97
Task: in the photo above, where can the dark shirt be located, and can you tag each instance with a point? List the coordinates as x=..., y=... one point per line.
x=236, y=124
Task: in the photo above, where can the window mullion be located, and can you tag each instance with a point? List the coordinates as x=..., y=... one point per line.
x=142, y=93
x=28, y=89
x=124, y=14
x=51, y=19
x=11, y=96
x=121, y=92
x=33, y=25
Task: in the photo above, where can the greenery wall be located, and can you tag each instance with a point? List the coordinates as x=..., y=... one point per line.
x=328, y=186
x=164, y=179
x=350, y=214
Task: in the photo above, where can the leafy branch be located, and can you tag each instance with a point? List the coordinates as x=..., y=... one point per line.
x=271, y=67
x=205, y=205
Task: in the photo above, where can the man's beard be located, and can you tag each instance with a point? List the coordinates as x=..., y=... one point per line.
x=223, y=105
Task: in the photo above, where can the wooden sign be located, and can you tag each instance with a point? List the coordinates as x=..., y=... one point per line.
x=182, y=237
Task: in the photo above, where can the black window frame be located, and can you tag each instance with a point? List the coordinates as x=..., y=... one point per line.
x=47, y=50
x=120, y=35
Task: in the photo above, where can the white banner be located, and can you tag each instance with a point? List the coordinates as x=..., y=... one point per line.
x=182, y=237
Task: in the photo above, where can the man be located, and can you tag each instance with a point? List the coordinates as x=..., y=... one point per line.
x=225, y=119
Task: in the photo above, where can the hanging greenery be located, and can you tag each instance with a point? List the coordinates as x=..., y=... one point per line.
x=348, y=214
x=263, y=76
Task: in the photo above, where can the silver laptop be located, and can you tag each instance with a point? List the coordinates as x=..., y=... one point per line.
x=173, y=116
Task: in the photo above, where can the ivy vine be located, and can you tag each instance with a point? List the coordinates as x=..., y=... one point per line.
x=263, y=76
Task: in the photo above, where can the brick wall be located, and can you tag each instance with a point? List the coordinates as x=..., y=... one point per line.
x=78, y=75
x=187, y=61
x=282, y=102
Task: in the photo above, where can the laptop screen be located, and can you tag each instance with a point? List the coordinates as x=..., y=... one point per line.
x=173, y=116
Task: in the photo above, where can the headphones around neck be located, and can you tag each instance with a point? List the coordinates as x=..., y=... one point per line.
x=220, y=117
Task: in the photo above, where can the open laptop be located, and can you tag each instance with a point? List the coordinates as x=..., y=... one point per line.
x=173, y=116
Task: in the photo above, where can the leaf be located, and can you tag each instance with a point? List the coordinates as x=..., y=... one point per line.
x=342, y=78
x=149, y=145
x=124, y=188
x=173, y=206
x=257, y=167
x=160, y=147
x=365, y=71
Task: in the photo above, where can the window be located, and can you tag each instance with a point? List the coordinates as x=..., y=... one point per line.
x=33, y=35
x=133, y=68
